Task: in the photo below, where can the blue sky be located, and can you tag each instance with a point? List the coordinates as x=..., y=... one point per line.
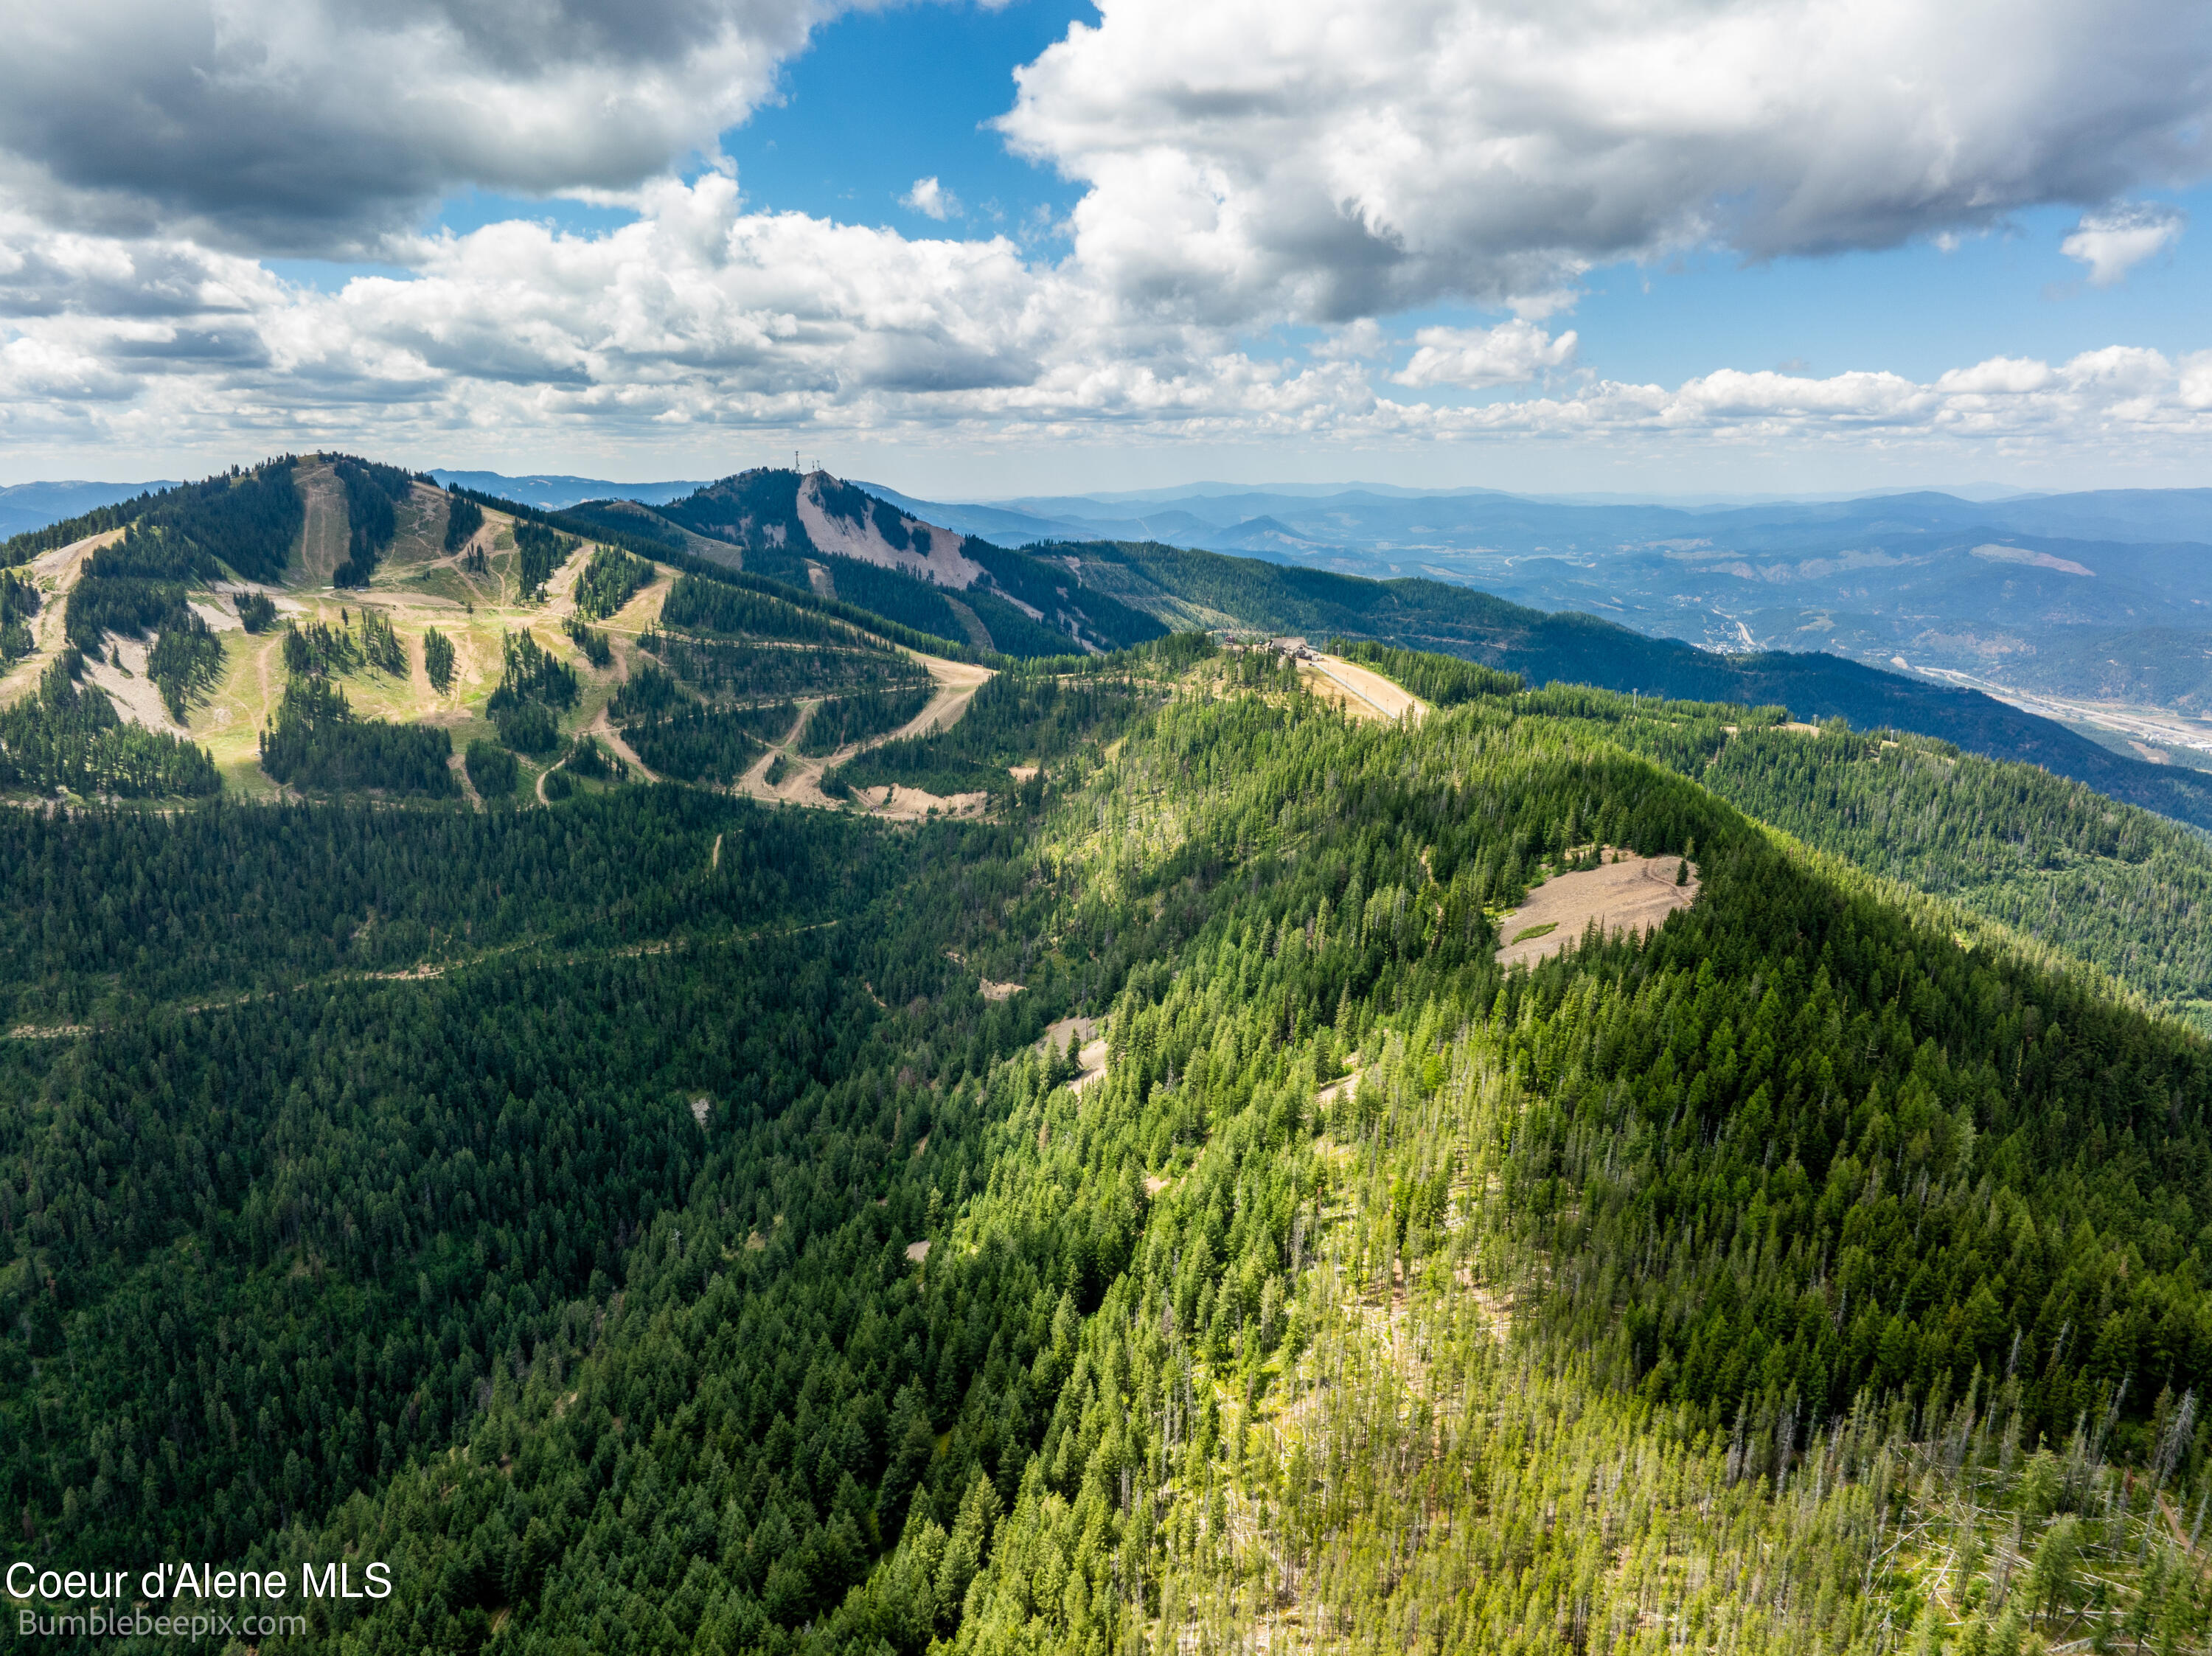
x=883, y=98
x=1261, y=240
x=1915, y=310
x=877, y=100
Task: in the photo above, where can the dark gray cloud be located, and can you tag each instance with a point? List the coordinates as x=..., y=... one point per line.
x=191, y=350
x=914, y=363
x=306, y=126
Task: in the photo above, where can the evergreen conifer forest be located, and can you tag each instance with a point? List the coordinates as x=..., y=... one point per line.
x=1106, y=827
x=649, y=1223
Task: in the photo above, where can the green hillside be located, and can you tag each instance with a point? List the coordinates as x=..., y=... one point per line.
x=1208, y=589
x=644, y=659
x=682, y=1101
x=2121, y=887
x=660, y=1222
x=2118, y=887
x=1124, y=593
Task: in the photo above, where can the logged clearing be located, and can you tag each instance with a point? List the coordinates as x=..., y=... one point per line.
x=1635, y=894
x=610, y=736
x=134, y=693
x=911, y=804
x=1064, y=1034
x=418, y=586
x=1342, y=1088
x=957, y=684
x=1359, y=691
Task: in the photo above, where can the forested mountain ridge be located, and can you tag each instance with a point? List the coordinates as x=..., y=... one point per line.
x=325, y=625
x=812, y=529
x=2120, y=888
x=2124, y=889
x=1415, y=613
x=639, y=658
x=2097, y=597
x=1797, y=1278
x=777, y=516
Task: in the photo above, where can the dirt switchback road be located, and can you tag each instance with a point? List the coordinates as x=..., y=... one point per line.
x=801, y=782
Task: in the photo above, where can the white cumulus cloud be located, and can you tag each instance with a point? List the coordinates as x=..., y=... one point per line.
x=711, y=328
x=1510, y=354
x=2001, y=376
x=933, y=200
x=1252, y=171
x=1328, y=159
x=2196, y=380
x=2114, y=241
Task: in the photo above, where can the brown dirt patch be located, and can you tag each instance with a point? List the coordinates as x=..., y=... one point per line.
x=895, y=804
x=134, y=693
x=1343, y=1088
x=957, y=684
x=53, y=574
x=943, y=563
x=1636, y=894
x=1059, y=1032
x=603, y=728
x=1092, y=1060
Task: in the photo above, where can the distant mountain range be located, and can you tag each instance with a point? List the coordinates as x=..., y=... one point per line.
x=26, y=507
x=556, y=492
x=1465, y=533
x=2066, y=602
x=2093, y=597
